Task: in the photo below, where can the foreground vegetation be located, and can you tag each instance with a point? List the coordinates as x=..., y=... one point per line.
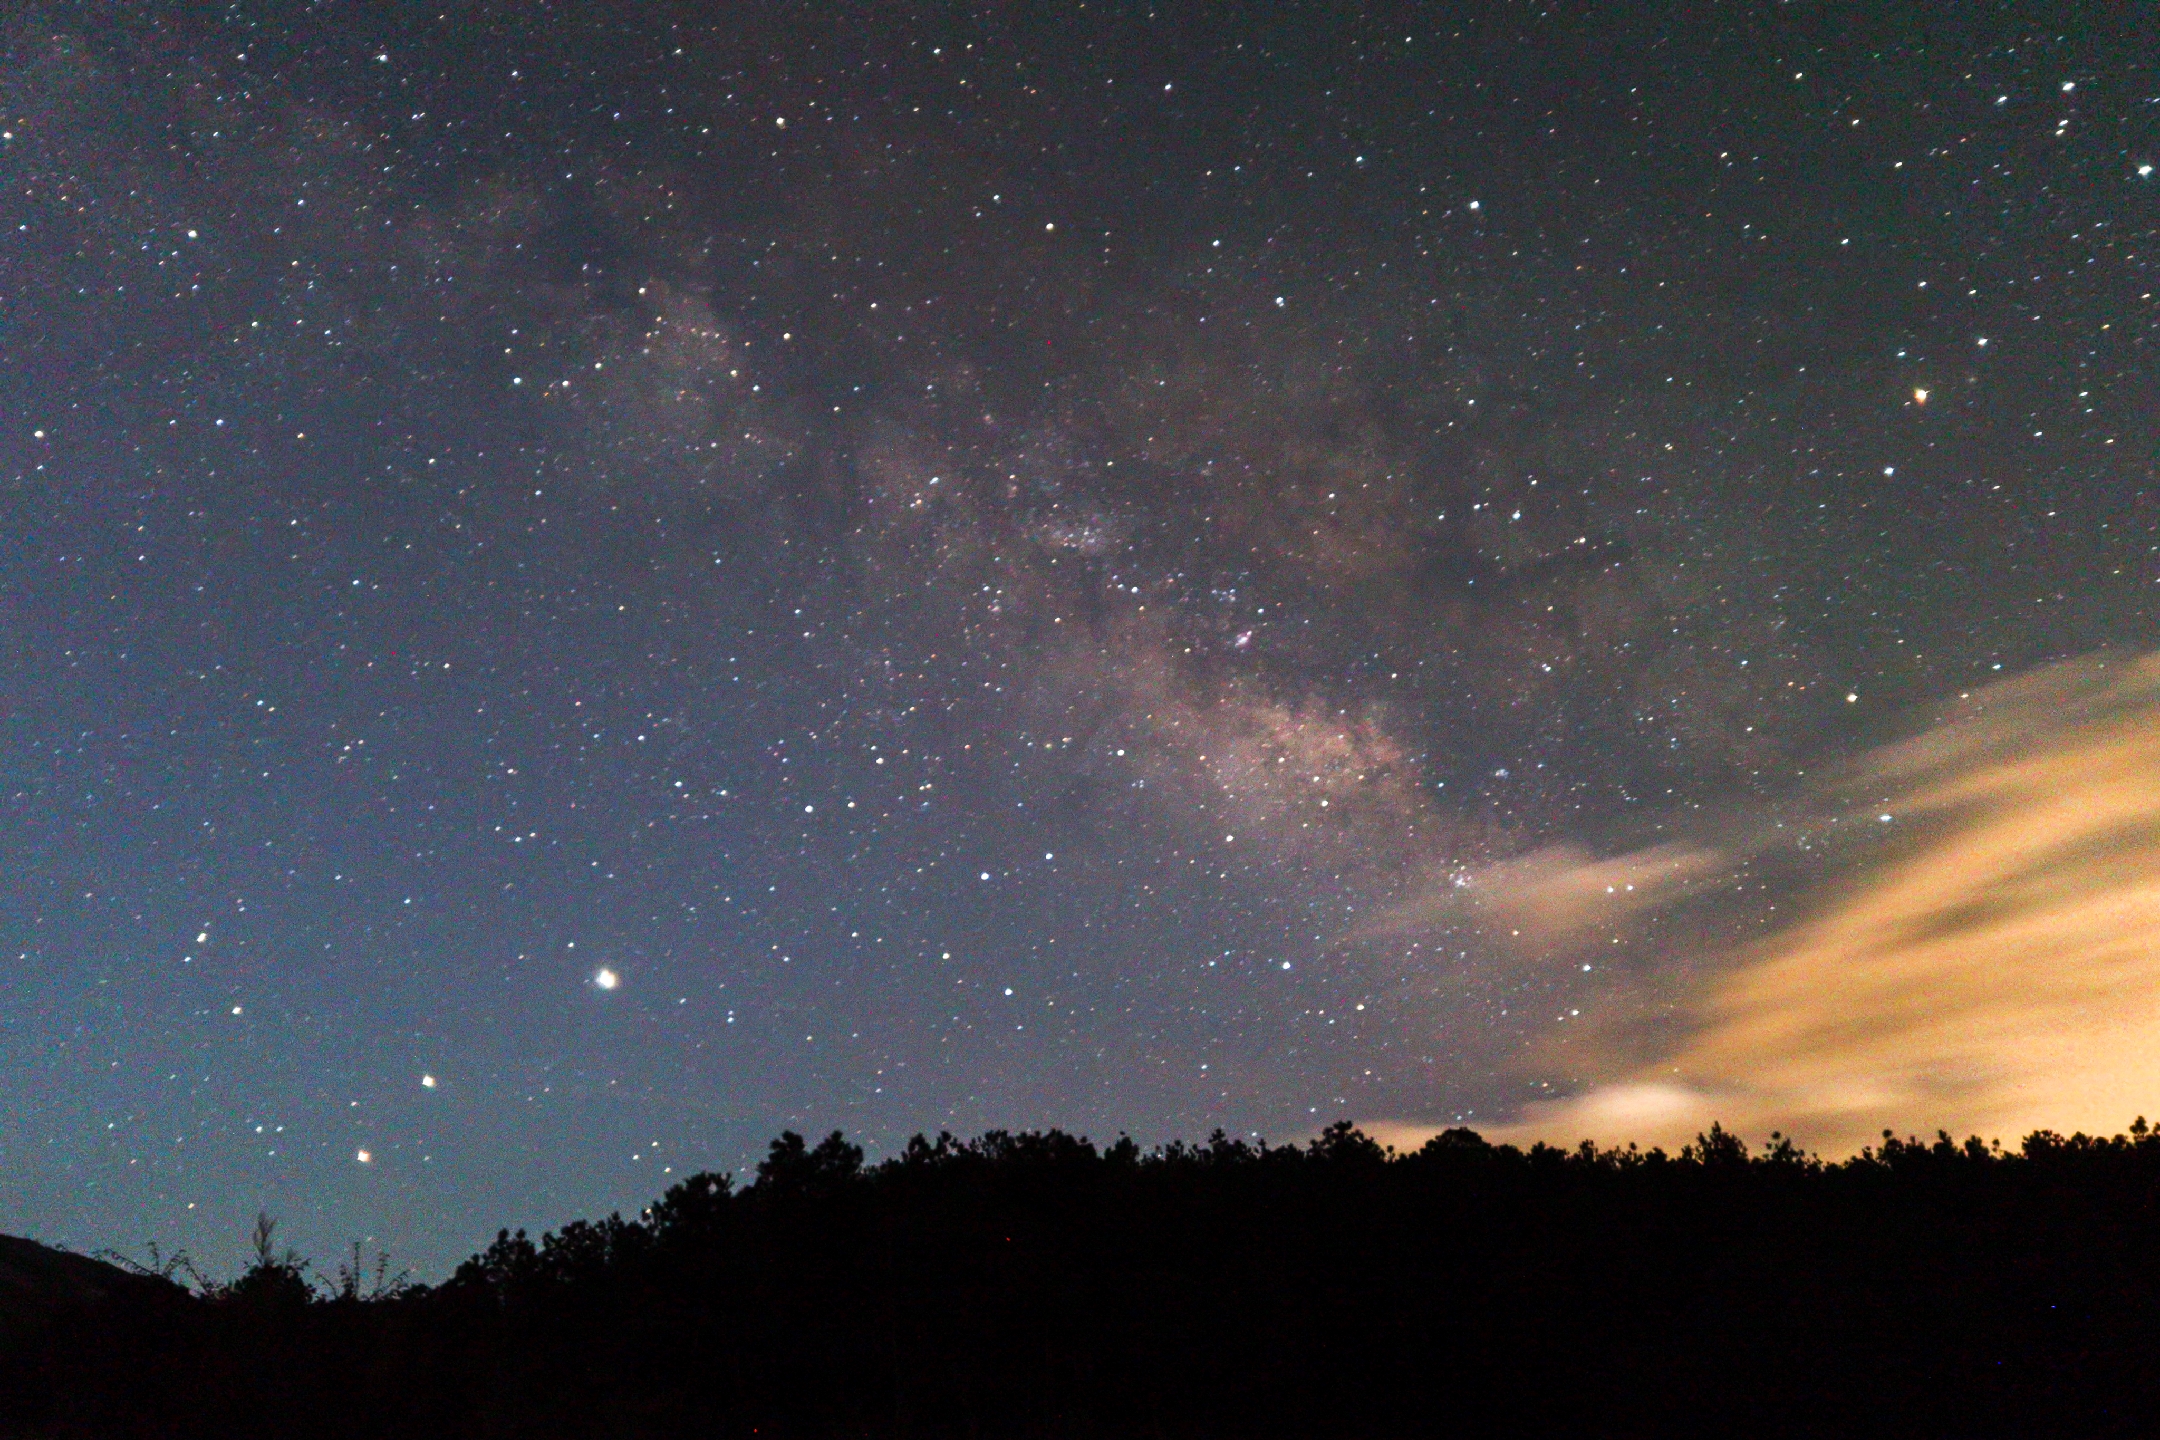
x=1037, y=1285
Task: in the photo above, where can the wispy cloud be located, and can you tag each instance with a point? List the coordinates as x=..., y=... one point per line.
x=1555, y=895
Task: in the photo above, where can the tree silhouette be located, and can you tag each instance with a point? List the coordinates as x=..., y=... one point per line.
x=1034, y=1284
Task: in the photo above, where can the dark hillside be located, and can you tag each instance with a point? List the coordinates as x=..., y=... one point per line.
x=38, y=1282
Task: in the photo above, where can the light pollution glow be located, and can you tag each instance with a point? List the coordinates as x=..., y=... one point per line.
x=1992, y=967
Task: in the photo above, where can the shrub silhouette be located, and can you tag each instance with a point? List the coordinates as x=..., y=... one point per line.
x=275, y=1282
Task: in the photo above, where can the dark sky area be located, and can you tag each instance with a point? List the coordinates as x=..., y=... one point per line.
x=582, y=584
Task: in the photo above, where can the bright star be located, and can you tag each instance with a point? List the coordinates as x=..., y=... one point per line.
x=607, y=979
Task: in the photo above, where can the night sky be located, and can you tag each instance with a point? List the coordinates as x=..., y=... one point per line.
x=583, y=584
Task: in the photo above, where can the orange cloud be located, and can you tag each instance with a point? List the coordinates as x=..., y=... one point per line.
x=1996, y=972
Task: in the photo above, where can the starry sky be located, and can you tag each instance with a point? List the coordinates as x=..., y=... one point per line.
x=582, y=584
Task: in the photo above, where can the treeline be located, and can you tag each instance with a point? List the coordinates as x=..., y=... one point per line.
x=1038, y=1285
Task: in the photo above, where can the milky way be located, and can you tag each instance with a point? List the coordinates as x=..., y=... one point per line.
x=582, y=588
